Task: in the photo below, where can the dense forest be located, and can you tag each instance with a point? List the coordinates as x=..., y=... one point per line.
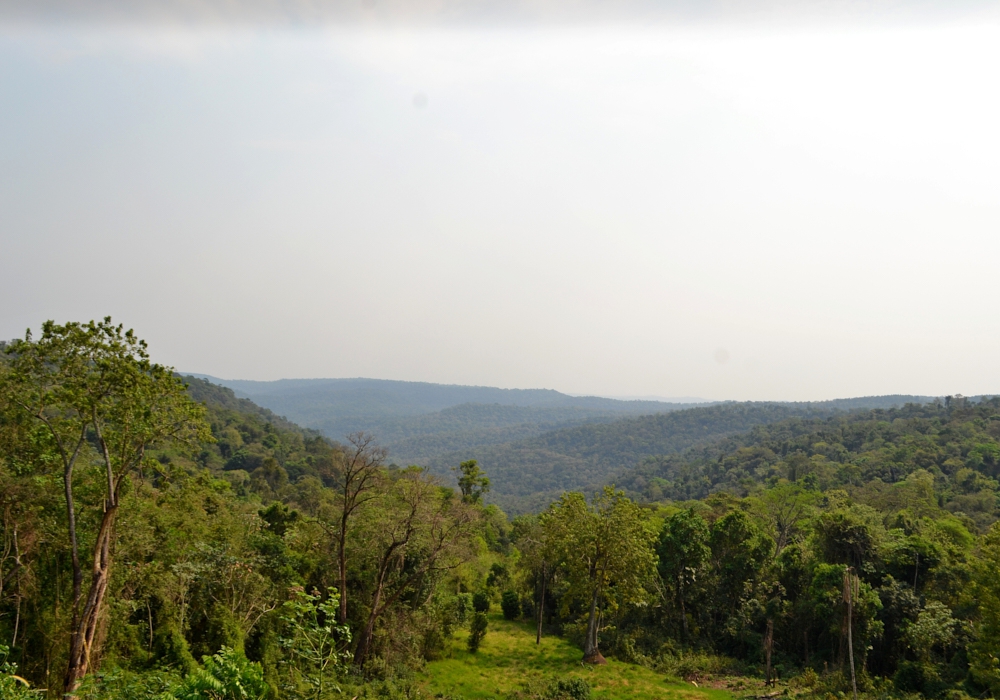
x=163, y=538
x=535, y=443
x=530, y=473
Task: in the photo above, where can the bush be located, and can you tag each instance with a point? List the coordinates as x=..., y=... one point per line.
x=11, y=685
x=463, y=604
x=227, y=675
x=528, y=607
x=700, y=665
x=477, y=631
x=481, y=602
x=554, y=689
x=511, y=605
x=569, y=689
x=807, y=679
x=121, y=684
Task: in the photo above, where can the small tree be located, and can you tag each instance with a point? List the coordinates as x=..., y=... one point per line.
x=477, y=631
x=473, y=481
x=481, y=602
x=315, y=640
x=510, y=603
x=607, y=554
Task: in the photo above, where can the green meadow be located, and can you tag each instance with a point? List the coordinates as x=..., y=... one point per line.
x=509, y=660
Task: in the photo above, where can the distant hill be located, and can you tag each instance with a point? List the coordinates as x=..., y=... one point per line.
x=418, y=421
x=534, y=443
x=348, y=402
x=527, y=474
x=952, y=445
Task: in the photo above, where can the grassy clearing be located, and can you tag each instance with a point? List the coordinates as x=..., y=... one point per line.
x=509, y=658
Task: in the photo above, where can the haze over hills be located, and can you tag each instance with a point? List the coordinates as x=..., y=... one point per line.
x=418, y=421
x=534, y=443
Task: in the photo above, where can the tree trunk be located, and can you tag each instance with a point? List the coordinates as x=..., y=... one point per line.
x=342, y=563
x=849, y=594
x=591, y=654
x=74, y=554
x=541, y=608
x=768, y=644
x=82, y=642
x=365, y=640
x=684, y=617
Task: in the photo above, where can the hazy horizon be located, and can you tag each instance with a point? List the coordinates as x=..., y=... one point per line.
x=766, y=201
x=663, y=399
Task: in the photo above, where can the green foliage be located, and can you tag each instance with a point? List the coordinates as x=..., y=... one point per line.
x=481, y=602
x=464, y=605
x=984, y=652
x=314, y=641
x=477, y=631
x=12, y=686
x=472, y=482
x=510, y=603
x=569, y=689
x=227, y=675
x=214, y=531
x=121, y=684
x=683, y=555
x=527, y=474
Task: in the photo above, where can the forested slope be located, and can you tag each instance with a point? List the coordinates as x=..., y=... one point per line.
x=341, y=406
x=951, y=447
x=529, y=473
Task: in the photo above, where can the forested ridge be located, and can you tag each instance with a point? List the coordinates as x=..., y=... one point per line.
x=530, y=473
x=416, y=420
x=952, y=444
x=163, y=538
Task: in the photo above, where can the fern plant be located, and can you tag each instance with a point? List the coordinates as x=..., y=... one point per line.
x=227, y=675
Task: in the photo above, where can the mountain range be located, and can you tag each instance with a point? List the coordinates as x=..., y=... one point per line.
x=534, y=443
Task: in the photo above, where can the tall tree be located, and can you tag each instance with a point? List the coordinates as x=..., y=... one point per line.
x=359, y=481
x=683, y=556
x=420, y=531
x=607, y=552
x=94, y=390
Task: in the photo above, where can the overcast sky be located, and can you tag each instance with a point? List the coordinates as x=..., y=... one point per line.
x=763, y=203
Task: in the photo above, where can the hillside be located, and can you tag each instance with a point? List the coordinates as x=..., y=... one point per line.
x=419, y=421
x=254, y=447
x=340, y=406
x=228, y=514
x=529, y=473
x=534, y=443
x=954, y=446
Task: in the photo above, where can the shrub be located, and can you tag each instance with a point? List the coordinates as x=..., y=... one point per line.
x=528, y=607
x=700, y=665
x=481, y=602
x=569, y=689
x=807, y=679
x=463, y=604
x=477, y=631
x=511, y=605
x=122, y=684
x=227, y=675
x=11, y=685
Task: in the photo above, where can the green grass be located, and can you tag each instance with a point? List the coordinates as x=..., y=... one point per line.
x=508, y=658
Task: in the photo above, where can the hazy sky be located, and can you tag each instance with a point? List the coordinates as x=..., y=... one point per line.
x=765, y=204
